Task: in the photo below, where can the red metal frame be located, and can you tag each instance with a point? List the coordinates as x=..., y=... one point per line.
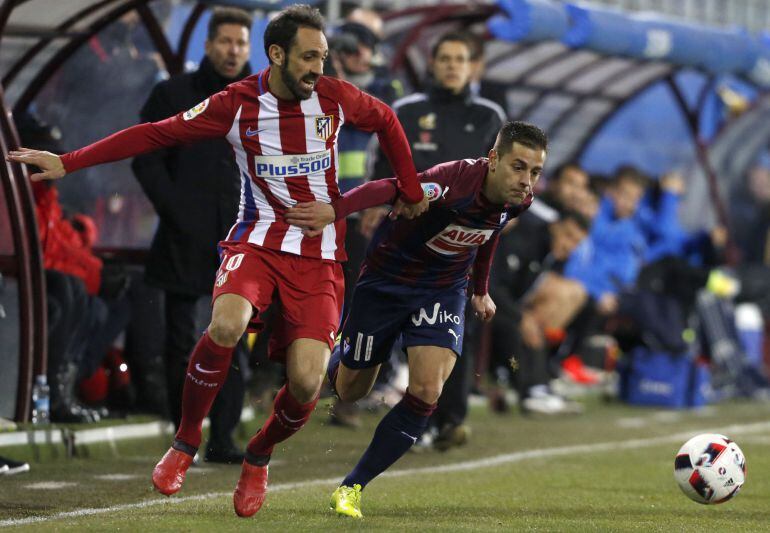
x=23, y=241
x=40, y=45
x=189, y=27
x=48, y=70
x=36, y=272
x=151, y=24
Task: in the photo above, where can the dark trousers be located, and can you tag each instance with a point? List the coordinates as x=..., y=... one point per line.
x=74, y=317
x=355, y=247
x=187, y=317
x=532, y=364
x=145, y=345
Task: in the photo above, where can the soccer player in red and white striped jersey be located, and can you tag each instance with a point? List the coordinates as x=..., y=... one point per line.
x=283, y=124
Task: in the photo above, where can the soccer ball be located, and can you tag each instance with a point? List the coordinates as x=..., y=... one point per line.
x=710, y=468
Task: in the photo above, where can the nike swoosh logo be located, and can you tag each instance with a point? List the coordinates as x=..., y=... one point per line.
x=414, y=439
x=199, y=369
x=251, y=133
x=443, y=194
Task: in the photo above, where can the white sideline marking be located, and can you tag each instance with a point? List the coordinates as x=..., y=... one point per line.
x=50, y=485
x=758, y=427
x=632, y=422
x=116, y=477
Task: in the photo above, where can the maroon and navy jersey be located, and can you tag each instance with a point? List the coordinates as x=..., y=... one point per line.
x=460, y=228
x=286, y=152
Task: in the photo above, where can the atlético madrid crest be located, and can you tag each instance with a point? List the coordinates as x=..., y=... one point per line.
x=324, y=126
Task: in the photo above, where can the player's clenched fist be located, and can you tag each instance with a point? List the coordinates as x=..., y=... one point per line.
x=409, y=211
x=483, y=306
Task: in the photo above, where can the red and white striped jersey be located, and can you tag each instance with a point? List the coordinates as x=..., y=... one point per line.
x=286, y=151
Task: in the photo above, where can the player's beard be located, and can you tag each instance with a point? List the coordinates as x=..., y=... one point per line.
x=296, y=88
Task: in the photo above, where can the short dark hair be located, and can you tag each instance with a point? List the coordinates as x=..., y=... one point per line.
x=520, y=132
x=454, y=37
x=228, y=15
x=559, y=171
x=631, y=174
x=477, y=46
x=580, y=219
x=282, y=30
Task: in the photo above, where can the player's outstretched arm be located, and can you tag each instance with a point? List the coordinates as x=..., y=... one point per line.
x=483, y=306
x=51, y=165
x=370, y=114
x=313, y=216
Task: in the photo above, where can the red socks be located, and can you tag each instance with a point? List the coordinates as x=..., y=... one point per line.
x=207, y=371
x=287, y=418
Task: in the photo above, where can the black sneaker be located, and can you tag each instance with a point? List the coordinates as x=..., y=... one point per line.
x=452, y=436
x=9, y=467
x=228, y=455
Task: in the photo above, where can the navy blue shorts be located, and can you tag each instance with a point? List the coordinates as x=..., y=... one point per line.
x=381, y=310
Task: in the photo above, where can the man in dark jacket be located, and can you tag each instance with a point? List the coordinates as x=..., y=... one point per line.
x=195, y=191
x=446, y=122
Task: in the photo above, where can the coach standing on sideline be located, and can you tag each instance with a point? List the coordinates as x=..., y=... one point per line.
x=445, y=123
x=195, y=191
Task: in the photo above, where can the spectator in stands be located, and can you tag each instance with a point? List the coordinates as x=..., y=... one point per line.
x=610, y=258
x=353, y=48
x=447, y=122
x=195, y=190
x=527, y=264
x=637, y=232
x=566, y=188
x=73, y=278
x=750, y=214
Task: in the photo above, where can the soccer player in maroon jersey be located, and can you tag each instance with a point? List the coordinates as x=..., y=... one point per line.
x=413, y=284
x=283, y=124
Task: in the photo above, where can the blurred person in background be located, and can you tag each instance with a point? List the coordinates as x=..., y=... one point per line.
x=526, y=264
x=76, y=314
x=200, y=179
x=750, y=214
x=610, y=259
x=566, y=188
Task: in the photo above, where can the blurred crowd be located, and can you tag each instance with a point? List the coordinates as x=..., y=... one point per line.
x=598, y=285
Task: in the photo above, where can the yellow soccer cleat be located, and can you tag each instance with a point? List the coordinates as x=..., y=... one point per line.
x=346, y=501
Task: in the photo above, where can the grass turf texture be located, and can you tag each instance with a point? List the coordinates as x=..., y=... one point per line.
x=601, y=488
